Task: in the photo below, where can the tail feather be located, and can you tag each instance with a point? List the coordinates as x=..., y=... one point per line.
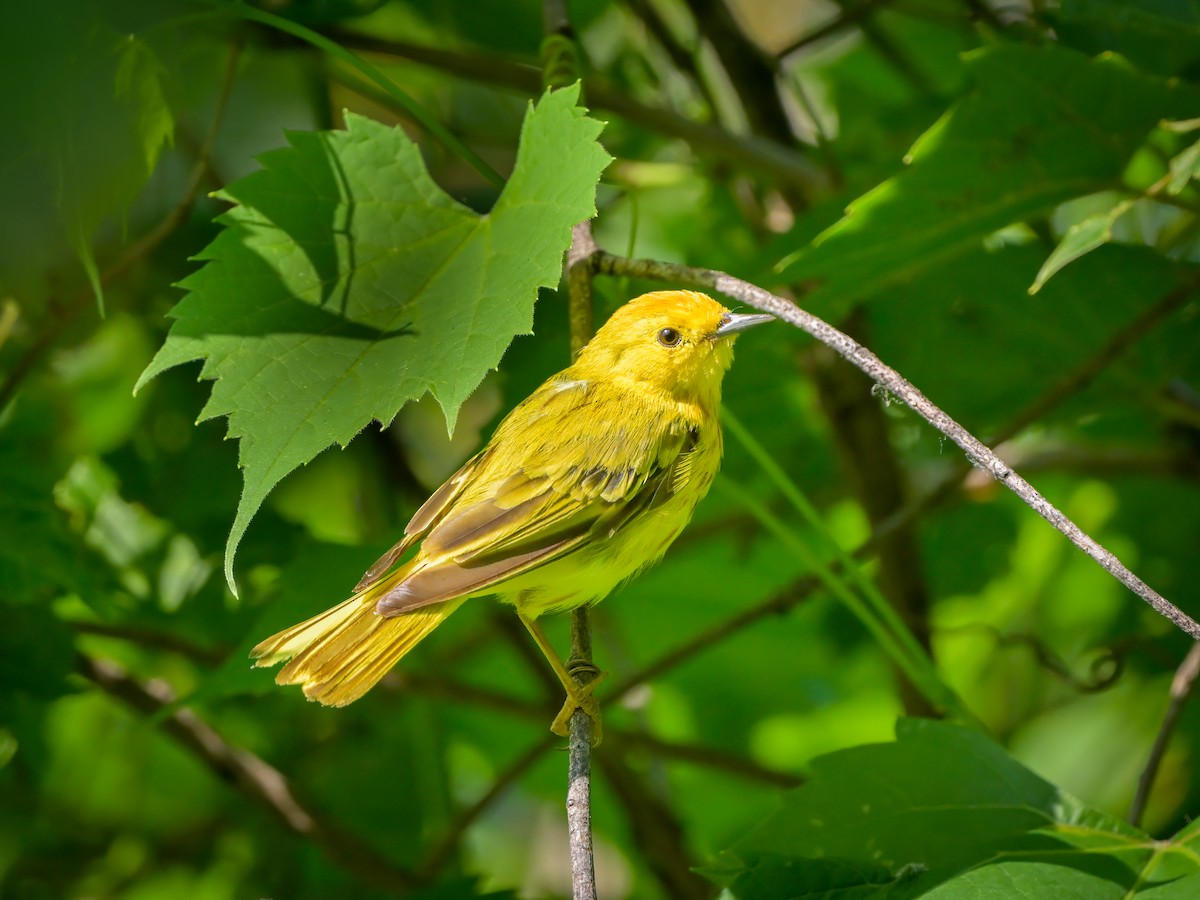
x=340, y=654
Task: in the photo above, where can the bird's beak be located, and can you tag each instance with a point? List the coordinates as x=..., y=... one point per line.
x=736, y=323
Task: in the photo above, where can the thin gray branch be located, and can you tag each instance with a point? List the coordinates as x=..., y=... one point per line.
x=1181, y=687
x=976, y=451
x=579, y=768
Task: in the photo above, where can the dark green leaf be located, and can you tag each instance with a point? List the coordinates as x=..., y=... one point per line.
x=939, y=801
x=1161, y=36
x=1042, y=125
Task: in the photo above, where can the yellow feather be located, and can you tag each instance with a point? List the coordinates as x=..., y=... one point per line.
x=340, y=654
x=585, y=483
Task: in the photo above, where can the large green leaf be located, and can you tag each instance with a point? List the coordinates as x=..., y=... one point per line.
x=346, y=283
x=1042, y=125
x=946, y=810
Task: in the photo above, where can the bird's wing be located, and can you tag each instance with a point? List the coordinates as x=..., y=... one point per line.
x=424, y=517
x=551, y=482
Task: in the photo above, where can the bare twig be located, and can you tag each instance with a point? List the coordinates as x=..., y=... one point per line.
x=560, y=66
x=579, y=766
x=864, y=359
x=579, y=791
x=255, y=779
x=1181, y=687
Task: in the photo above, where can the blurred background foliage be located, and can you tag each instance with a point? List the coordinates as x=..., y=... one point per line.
x=970, y=139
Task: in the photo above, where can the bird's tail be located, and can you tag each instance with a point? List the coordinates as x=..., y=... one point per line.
x=340, y=654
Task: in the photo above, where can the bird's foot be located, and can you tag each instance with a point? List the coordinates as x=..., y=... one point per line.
x=579, y=696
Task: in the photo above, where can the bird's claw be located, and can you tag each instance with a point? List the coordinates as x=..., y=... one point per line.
x=579, y=696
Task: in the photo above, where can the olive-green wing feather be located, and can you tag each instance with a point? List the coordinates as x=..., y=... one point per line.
x=422, y=519
x=543, y=491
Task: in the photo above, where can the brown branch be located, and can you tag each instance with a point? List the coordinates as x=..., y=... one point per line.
x=752, y=72
x=975, y=450
x=774, y=160
x=1181, y=687
x=255, y=779
x=150, y=637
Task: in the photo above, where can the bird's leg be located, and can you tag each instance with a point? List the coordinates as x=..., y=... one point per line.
x=579, y=696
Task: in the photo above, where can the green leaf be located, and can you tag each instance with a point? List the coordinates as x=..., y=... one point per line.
x=346, y=283
x=138, y=83
x=1029, y=879
x=1041, y=126
x=1081, y=238
x=87, y=127
x=1184, y=167
x=1161, y=36
x=904, y=817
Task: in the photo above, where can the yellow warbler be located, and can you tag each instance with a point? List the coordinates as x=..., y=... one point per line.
x=586, y=482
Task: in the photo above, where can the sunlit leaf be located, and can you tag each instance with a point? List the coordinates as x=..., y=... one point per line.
x=1184, y=167
x=1040, y=126
x=1081, y=238
x=346, y=283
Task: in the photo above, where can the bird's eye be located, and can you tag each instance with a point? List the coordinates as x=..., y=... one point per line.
x=669, y=337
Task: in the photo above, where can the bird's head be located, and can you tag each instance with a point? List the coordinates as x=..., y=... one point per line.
x=678, y=341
